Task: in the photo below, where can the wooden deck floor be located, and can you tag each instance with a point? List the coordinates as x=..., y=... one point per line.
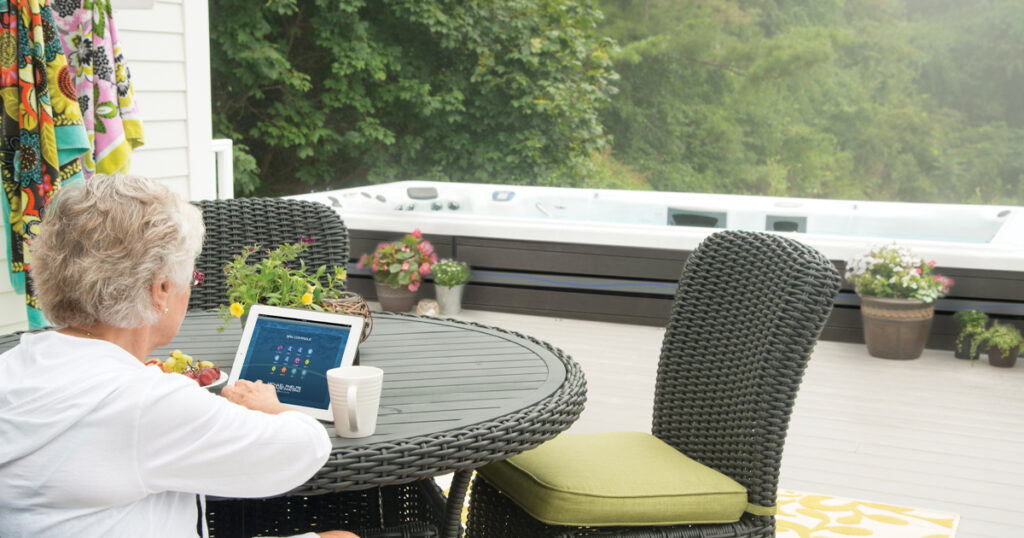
x=932, y=433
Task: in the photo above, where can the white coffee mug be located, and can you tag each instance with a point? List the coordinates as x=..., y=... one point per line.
x=355, y=399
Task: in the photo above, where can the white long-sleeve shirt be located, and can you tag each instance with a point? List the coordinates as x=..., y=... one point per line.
x=94, y=443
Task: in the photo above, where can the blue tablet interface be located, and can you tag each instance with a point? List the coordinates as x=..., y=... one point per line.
x=294, y=356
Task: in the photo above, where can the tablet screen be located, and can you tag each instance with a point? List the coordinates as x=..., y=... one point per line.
x=294, y=356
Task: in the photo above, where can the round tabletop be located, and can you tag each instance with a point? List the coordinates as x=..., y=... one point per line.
x=456, y=396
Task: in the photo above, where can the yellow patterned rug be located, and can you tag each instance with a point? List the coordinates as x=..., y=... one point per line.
x=809, y=515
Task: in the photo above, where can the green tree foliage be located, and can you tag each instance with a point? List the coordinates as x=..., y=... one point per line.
x=915, y=100
x=319, y=93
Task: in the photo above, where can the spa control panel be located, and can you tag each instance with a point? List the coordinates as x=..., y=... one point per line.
x=426, y=199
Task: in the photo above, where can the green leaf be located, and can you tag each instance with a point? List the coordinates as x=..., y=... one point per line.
x=106, y=109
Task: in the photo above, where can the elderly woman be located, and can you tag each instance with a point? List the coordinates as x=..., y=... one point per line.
x=94, y=443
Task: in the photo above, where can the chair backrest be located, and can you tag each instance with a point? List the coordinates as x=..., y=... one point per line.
x=269, y=222
x=748, y=310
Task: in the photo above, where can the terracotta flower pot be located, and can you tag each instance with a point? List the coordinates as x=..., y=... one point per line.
x=996, y=358
x=895, y=328
x=395, y=299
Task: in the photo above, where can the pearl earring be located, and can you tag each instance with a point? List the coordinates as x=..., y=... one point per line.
x=166, y=310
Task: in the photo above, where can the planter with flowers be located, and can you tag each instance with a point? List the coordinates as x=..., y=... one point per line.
x=398, y=270
x=897, y=292
x=278, y=280
x=450, y=277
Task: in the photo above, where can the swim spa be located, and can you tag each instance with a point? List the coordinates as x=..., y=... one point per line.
x=610, y=254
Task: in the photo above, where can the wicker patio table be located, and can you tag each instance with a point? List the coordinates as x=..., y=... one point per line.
x=456, y=396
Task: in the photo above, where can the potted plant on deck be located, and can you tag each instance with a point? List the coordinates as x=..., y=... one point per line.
x=1003, y=344
x=398, y=270
x=450, y=277
x=897, y=292
x=972, y=326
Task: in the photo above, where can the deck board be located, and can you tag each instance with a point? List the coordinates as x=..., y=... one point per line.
x=933, y=433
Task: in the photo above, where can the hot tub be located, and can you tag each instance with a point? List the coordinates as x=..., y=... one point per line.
x=609, y=242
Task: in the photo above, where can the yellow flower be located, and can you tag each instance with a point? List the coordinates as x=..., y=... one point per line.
x=237, y=310
x=310, y=286
x=342, y=274
x=307, y=298
x=63, y=97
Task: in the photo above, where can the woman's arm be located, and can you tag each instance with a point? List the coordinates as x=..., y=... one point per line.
x=191, y=440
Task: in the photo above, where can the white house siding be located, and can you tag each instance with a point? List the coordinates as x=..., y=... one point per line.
x=167, y=50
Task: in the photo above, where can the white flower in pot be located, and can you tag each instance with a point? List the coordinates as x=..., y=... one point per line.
x=450, y=277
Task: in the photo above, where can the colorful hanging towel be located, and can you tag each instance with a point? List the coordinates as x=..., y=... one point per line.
x=103, y=84
x=41, y=131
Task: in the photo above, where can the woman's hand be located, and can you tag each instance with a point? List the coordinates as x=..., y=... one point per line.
x=258, y=396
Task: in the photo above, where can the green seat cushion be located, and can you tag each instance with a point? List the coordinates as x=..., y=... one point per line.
x=621, y=478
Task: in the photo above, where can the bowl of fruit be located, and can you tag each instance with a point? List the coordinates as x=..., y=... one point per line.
x=203, y=372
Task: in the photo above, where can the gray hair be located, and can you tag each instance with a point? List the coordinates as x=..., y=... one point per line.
x=103, y=244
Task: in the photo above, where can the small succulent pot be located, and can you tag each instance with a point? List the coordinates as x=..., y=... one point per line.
x=996, y=357
x=965, y=350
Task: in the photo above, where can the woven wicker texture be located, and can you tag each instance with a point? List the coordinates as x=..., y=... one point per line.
x=749, y=308
x=353, y=304
x=269, y=222
x=406, y=511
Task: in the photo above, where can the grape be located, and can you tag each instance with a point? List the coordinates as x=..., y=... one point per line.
x=180, y=363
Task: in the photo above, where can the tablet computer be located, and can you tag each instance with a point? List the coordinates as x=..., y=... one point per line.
x=292, y=349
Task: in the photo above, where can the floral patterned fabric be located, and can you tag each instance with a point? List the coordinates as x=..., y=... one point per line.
x=102, y=82
x=41, y=130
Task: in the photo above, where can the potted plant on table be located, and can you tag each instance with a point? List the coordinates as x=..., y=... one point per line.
x=1003, y=344
x=897, y=292
x=398, y=270
x=450, y=278
x=278, y=281
x=972, y=326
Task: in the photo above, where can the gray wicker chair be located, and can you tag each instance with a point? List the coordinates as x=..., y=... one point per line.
x=269, y=222
x=748, y=310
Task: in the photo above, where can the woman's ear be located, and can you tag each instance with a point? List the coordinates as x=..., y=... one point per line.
x=161, y=292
